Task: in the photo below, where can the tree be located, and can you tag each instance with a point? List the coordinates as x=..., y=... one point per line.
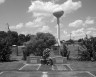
x=7, y=39
x=21, y=39
x=5, y=50
x=39, y=42
x=90, y=44
x=28, y=37
x=2, y=35
x=80, y=40
x=12, y=38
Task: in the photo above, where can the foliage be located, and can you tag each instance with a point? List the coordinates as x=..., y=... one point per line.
x=4, y=50
x=2, y=34
x=21, y=39
x=80, y=40
x=90, y=53
x=85, y=55
x=12, y=38
x=39, y=42
x=28, y=37
x=64, y=51
x=7, y=39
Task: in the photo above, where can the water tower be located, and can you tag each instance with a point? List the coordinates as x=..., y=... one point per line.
x=58, y=14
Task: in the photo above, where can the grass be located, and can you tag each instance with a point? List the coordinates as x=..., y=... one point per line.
x=10, y=66
x=83, y=65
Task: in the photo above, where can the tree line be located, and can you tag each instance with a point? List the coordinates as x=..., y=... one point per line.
x=7, y=39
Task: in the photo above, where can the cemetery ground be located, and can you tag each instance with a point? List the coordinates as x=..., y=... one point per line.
x=73, y=68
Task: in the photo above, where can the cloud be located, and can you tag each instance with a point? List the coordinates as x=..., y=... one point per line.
x=46, y=8
x=76, y=23
x=79, y=23
x=44, y=29
x=2, y=1
x=88, y=32
x=40, y=6
x=78, y=32
x=37, y=22
x=91, y=29
x=29, y=24
x=70, y=6
x=19, y=26
x=89, y=21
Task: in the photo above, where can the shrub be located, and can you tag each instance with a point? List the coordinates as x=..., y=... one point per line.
x=90, y=53
x=85, y=55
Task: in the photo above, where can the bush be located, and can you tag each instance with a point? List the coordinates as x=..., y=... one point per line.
x=64, y=51
x=90, y=53
x=85, y=55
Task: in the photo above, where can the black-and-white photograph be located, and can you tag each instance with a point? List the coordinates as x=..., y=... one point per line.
x=47, y=38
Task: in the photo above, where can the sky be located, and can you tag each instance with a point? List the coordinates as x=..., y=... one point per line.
x=32, y=16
